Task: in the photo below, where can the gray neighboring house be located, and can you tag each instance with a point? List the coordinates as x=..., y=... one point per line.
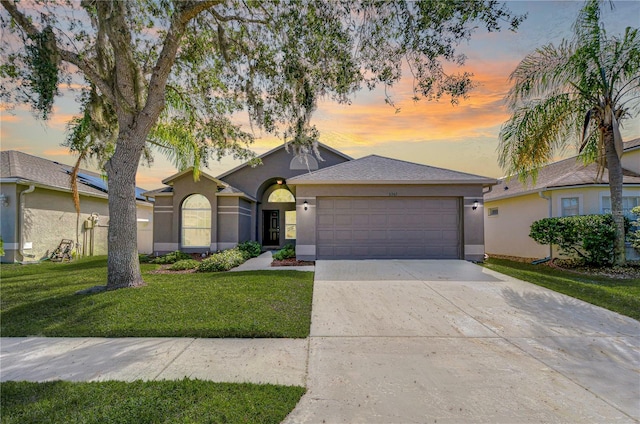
x=339, y=208
x=37, y=211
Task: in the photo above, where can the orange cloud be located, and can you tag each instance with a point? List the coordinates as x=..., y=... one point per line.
x=57, y=152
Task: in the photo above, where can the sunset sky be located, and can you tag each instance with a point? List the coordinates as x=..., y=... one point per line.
x=462, y=137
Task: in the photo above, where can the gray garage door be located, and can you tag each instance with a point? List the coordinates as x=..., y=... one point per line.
x=388, y=227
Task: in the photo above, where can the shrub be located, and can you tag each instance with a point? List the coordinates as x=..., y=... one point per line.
x=171, y=258
x=287, y=252
x=251, y=248
x=222, y=261
x=590, y=237
x=144, y=259
x=184, y=264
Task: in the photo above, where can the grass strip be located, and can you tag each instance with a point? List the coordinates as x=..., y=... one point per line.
x=617, y=295
x=182, y=401
x=40, y=300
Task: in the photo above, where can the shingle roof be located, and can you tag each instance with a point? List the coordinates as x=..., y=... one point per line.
x=22, y=166
x=376, y=169
x=275, y=149
x=565, y=173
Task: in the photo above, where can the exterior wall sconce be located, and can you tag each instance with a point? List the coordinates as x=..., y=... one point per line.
x=4, y=200
x=305, y=205
x=475, y=205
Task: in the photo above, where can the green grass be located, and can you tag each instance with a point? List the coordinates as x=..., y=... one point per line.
x=184, y=401
x=39, y=300
x=618, y=295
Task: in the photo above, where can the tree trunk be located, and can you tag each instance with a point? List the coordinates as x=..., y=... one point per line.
x=123, y=266
x=614, y=168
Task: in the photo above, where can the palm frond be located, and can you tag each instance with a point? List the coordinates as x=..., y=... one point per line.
x=536, y=132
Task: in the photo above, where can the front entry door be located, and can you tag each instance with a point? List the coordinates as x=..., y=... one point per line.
x=271, y=228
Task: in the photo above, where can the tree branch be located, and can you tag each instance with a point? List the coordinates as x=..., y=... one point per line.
x=185, y=11
x=222, y=18
x=85, y=66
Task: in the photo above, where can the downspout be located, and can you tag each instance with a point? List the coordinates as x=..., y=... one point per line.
x=31, y=189
x=548, y=258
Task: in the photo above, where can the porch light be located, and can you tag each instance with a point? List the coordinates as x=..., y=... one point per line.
x=4, y=200
x=475, y=205
x=306, y=205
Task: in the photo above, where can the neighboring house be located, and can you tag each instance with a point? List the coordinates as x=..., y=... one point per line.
x=37, y=211
x=336, y=208
x=562, y=188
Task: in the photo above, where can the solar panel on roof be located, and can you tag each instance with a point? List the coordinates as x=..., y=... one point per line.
x=100, y=184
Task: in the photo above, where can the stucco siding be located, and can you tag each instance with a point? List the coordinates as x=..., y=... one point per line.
x=163, y=211
x=50, y=216
x=277, y=164
x=507, y=233
x=228, y=221
x=245, y=221
x=631, y=160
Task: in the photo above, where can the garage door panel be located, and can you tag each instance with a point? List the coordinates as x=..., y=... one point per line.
x=388, y=228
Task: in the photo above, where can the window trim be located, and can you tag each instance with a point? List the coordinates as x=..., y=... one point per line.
x=182, y=225
x=578, y=196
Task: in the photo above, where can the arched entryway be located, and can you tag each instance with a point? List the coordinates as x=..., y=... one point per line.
x=276, y=214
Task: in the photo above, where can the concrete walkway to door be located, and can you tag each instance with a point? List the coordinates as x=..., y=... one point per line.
x=451, y=342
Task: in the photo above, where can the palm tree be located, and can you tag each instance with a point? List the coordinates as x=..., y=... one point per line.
x=581, y=90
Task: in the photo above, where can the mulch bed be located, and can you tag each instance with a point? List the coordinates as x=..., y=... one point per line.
x=632, y=270
x=292, y=262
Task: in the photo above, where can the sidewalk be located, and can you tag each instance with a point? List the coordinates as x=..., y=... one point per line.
x=275, y=361
x=263, y=263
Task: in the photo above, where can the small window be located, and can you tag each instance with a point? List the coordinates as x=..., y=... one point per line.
x=492, y=212
x=628, y=203
x=281, y=195
x=570, y=206
x=290, y=225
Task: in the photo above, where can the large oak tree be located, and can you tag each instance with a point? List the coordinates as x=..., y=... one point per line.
x=171, y=74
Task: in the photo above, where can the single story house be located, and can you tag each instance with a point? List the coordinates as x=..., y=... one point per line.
x=563, y=188
x=334, y=208
x=37, y=210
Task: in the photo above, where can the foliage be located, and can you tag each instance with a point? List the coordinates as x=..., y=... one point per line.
x=40, y=300
x=252, y=249
x=591, y=237
x=618, y=295
x=171, y=258
x=288, y=251
x=170, y=75
x=222, y=261
x=634, y=236
x=166, y=401
x=580, y=90
x=184, y=264
x=144, y=258
x=1, y=247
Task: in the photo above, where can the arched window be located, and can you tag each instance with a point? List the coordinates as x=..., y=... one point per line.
x=281, y=195
x=196, y=221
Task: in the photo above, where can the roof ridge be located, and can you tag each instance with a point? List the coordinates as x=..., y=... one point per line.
x=428, y=166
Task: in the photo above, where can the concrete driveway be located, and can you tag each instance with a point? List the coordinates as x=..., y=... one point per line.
x=451, y=342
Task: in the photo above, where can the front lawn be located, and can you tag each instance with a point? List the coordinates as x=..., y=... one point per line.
x=618, y=295
x=39, y=300
x=141, y=402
